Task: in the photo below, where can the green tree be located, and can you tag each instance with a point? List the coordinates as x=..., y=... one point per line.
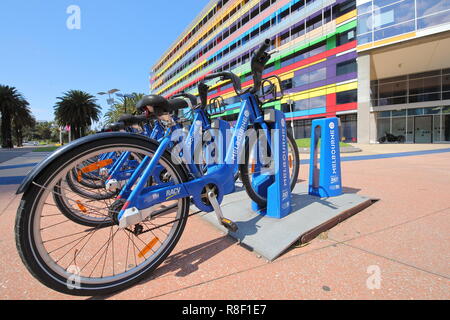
x=118, y=109
x=10, y=102
x=78, y=110
x=22, y=120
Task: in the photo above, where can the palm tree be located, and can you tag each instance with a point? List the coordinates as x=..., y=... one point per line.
x=117, y=109
x=78, y=110
x=10, y=101
x=22, y=119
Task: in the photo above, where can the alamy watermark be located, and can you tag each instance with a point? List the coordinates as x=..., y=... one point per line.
x=74, y=280
x=214, y=146
x=373, y=282
x=73, y=22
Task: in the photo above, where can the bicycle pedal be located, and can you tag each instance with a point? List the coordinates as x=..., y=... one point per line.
x=230, y=225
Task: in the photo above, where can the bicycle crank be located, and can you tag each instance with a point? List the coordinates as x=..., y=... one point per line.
x=227, y=223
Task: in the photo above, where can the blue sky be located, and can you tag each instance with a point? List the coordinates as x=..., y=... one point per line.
x=117, y=44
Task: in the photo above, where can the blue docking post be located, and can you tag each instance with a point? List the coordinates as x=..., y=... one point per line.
x=275, y=186
x=325, y=174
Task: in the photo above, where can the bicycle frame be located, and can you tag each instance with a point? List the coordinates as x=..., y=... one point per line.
x=220, y=175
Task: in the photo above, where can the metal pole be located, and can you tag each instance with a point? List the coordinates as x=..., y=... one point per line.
x=292, y=119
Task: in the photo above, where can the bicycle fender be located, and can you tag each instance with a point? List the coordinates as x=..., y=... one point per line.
x=34, y=173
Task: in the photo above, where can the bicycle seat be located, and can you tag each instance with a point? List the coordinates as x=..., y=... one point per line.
x=129, y=119
x=116, y=126
x=160, y=104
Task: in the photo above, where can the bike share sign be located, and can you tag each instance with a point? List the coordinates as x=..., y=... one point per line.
x=325, y=173
x=276, y=187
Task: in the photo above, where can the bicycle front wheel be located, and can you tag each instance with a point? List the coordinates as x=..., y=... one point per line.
x=75, y=259
x=247, y=169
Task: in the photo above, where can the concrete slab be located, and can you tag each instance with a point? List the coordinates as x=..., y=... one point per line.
x=270, y=237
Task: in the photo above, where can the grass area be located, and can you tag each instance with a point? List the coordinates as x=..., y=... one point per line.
x=306, y=143
x=46, y=149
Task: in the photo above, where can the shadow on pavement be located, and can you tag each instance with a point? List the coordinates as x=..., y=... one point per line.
x=184, y=262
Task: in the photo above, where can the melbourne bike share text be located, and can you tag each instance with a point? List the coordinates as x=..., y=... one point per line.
x=103, y=212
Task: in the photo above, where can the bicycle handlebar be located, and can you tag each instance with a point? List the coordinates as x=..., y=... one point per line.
x=190, y=97
x=258, y=63
x=235, y=80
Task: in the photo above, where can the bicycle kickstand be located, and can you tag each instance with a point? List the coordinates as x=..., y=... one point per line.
x=227, y=223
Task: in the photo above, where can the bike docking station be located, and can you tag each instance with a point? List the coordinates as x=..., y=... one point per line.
x=312, y=207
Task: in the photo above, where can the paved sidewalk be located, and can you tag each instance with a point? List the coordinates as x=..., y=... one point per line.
x=14, y=170
x=404, y=237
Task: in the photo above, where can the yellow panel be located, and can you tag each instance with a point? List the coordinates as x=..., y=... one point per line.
x=395, y=39
x=317, y=93
x=365, y=46
x=346, y=16
x=286, y=76
x=347, y=86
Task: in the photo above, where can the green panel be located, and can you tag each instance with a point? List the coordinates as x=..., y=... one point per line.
x=331, y=42
x=346, y=27
x=277, y=64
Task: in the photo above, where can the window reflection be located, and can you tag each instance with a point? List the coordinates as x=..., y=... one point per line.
x=427, y=7
x=434, y=20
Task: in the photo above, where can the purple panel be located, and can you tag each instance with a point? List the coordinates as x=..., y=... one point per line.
x=345, y=57
x=330, y=80
x=311, y=68
x=331, y=70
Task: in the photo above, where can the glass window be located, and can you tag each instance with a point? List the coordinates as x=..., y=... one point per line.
x=317, y=50
x=434, y=20
x=347, y=96
x=346, y=67
x=395, y=30
x=398, y=113
x=415, y=112
x=301, y=79
x=301, y=105
x=409, y=129
x=399, y=126
x=394, y=14
x=302, y=128
x=346, y=7
x=425, y=89
x=365, y=23
x=348, y=127
x=384, y=114
x=433, y=110
x=446, y=82
x=427, y=7
x=382, y=3
x=317, y=75
x=318, y=102
x=364, y=8
x=365, y=38
x=310, y=77
x=383, y=127
x=286, y=84
x=392, y=89
x=346, y=37
x=446, y=128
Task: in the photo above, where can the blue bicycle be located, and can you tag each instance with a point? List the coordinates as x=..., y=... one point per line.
x=144, y=223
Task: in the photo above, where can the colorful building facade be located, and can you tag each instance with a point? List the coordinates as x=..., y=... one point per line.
x=316, y=45
x=404, y=70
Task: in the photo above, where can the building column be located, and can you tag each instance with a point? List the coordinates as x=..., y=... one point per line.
x=366, y=124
